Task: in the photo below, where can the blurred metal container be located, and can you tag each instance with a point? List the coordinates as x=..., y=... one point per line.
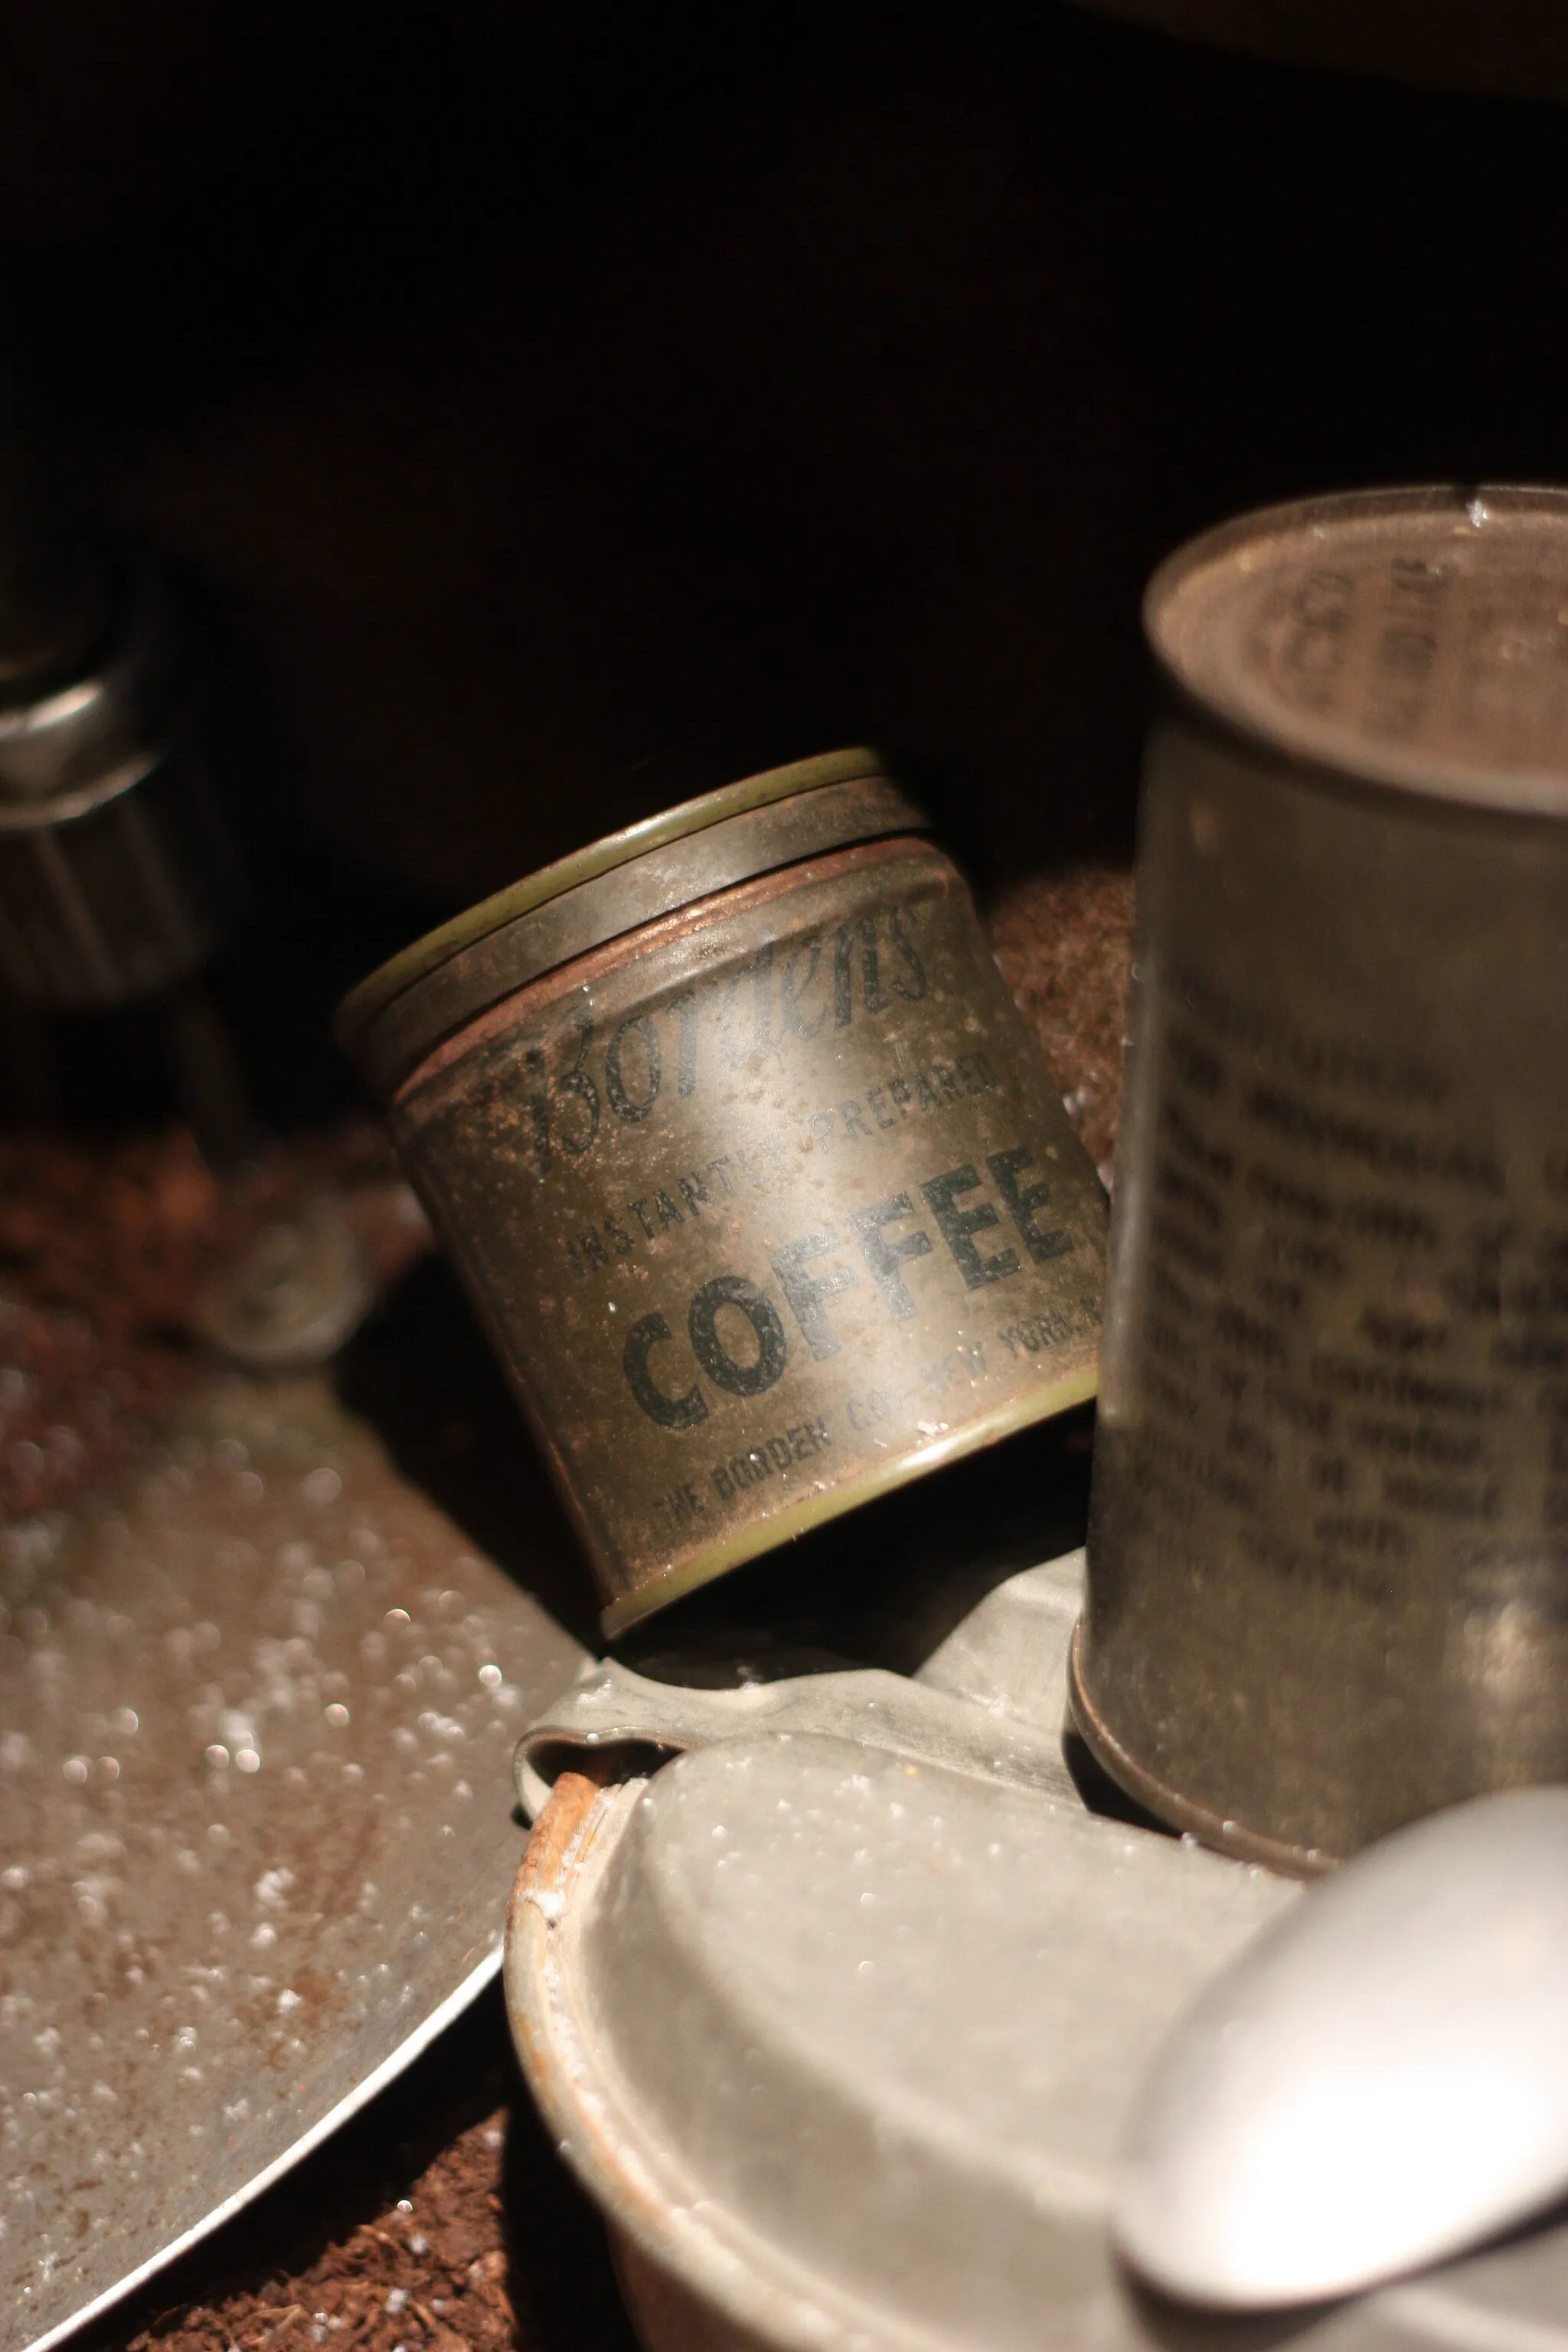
x=117, y=878
x=1329, y=1550
x=750, y=1164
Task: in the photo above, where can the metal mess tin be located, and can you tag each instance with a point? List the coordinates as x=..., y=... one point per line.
x=1329, y=1543
x=846, y=2038
x=752, y=1165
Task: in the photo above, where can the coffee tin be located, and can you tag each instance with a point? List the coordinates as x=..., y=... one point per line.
x=750, y=1164
x=1328, y=1548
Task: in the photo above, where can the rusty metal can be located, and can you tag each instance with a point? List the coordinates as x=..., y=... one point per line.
x=1329, y=1542
x=750, y=1164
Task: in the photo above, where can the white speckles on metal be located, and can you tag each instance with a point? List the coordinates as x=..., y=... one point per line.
x=258, y=1710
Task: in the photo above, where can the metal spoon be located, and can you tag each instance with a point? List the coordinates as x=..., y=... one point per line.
x=1380, y=2081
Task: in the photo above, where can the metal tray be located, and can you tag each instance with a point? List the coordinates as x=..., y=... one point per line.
x=255, y=1711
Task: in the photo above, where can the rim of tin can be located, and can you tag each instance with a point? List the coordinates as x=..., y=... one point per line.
x=1047, y=1401
x=1206, y=607
x=414, y=963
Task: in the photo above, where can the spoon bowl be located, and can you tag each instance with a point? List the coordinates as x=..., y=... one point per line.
x=1379, y=2082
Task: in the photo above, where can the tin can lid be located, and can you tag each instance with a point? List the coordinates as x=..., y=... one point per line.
x=1415, y=638
x=431, y=987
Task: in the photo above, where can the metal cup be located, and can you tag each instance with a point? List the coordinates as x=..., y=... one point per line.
x=1329, y=1543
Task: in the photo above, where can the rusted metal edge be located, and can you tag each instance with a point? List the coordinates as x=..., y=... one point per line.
x=391, y=1035
x=742, y=2274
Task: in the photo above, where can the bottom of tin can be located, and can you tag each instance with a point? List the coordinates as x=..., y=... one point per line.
x=1227, y=1836
x=819, y=1509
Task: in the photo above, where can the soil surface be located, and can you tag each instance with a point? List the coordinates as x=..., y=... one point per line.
x=440, y=2221
x=1063, y=943
x=104, y=1258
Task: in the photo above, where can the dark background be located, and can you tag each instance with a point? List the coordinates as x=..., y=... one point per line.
x=549, y=413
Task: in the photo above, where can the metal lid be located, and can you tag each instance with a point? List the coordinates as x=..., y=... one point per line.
x=844, y=2029
x=393, y=1018
x=844, y=2042
x=1415, y=637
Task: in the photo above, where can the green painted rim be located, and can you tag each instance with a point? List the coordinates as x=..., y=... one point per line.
x=364, y=1000
x=814, y=1511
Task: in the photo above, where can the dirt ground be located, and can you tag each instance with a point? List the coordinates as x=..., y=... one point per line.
x=437, y=2221
x=440, y=2221
x=1063, y=943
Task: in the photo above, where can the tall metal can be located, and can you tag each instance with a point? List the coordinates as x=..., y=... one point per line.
x=750, y=1164
x=1328, y=1583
